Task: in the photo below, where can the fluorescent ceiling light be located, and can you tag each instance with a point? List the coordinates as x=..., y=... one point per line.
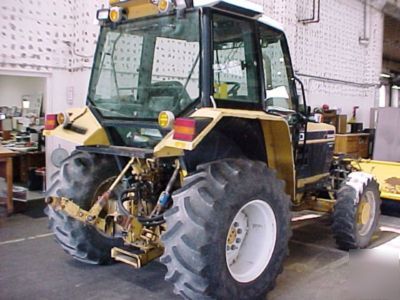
x=396, y=87
x=385, y=75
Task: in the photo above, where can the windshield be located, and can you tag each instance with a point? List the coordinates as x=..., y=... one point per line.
x=144, y=67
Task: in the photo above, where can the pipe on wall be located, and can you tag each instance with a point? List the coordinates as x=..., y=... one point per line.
x=339, y=81
x=315, y=14
x=364, y=39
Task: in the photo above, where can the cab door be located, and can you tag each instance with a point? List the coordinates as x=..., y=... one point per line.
x=313, y=143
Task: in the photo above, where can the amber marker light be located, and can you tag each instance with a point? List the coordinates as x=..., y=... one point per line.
x=166, y=119
x=116, y=14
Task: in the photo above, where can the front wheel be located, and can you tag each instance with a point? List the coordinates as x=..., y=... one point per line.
x=356, y=212
x=228, y=231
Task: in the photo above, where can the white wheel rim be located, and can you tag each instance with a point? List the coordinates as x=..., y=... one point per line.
x=250, y=241
x=370, y=199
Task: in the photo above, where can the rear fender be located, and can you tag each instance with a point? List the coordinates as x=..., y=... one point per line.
x=276, y=133
x=91, y=132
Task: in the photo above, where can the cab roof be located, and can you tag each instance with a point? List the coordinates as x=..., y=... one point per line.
x=242, y=7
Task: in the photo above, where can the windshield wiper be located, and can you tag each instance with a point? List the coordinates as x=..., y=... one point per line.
x=192, y=71
x=144, y=28
x=108, y=110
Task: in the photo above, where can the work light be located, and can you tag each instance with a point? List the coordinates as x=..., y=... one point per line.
x=103, y=14
x=63, y=119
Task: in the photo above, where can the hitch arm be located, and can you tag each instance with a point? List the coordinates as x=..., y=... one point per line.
x=103, y=199
x=74, y=211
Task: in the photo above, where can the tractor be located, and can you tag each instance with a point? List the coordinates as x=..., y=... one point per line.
x=195, y=145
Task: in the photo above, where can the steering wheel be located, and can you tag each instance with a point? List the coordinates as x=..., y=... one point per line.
x=233, y=91
x=168, y=95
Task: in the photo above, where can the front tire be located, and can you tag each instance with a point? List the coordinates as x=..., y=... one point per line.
x=356, y=212
x=80, y=179
x=214, y=203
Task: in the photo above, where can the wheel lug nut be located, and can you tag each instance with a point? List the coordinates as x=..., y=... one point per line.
x=233, y=247
x=236, y=224
x=238, y=241
x=239, y=231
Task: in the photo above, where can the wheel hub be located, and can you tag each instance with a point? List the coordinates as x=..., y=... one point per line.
x=236, y=235
x=365, y=213
x=231, y=236
x=250, y=241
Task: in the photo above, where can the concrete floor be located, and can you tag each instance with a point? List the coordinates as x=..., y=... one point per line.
x=33, y=266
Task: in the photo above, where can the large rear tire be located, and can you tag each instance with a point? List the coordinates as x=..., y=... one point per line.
x=79, y=179
x=228, y=231
x=356, y=212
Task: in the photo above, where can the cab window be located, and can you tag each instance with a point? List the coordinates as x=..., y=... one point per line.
x=278, y=75
x=234, y=63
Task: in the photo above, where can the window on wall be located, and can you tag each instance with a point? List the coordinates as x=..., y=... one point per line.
x=235, y=63
x=279, y=82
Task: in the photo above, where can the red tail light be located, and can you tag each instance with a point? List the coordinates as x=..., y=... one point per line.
x=185, y=129
x=51, y=122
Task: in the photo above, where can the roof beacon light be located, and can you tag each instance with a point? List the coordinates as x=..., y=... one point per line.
x=165, y=6
x=116, y=14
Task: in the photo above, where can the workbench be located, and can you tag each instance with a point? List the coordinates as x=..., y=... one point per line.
x=23, y=162
x=354, y=145
x=6, y=171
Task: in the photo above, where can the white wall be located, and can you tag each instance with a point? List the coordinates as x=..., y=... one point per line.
x=61, y=83
x=12, y=88
x=335, y=67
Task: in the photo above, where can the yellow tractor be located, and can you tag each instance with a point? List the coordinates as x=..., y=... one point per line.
x=194, y=147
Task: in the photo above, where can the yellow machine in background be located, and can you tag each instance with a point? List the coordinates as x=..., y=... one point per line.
x=387, y=174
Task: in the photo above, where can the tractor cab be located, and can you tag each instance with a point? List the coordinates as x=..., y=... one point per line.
x=178, y=56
